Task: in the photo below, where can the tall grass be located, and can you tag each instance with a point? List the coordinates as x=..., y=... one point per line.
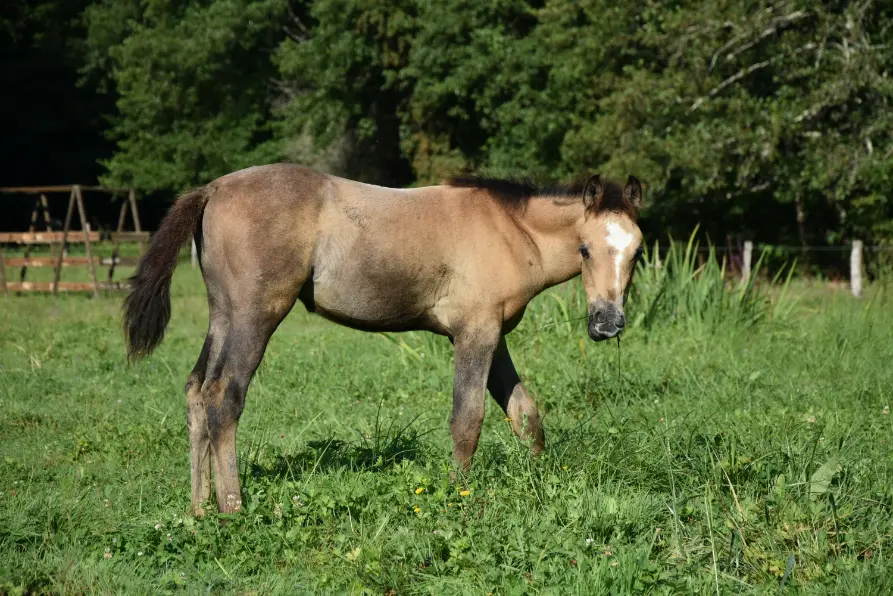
x=680, y=290
x=676, y=289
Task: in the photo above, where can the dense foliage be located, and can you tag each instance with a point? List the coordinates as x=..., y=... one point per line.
x=766, y=120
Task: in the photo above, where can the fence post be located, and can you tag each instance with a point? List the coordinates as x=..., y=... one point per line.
x=856, y=268
x=193, y=254
x=3, y=274
x=748, y=259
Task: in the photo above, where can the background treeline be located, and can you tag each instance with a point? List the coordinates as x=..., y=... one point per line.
x=762, y=120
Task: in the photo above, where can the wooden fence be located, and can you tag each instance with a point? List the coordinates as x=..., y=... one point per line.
x=60, y=240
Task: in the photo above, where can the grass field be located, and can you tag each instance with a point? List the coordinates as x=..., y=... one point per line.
x=729, y=445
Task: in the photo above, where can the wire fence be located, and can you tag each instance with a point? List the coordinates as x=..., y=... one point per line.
x=853, y=262
x=787, y=248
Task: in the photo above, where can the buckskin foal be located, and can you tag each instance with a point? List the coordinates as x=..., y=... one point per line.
x=461, y=259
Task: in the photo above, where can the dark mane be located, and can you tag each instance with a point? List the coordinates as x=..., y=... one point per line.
x=516, y=193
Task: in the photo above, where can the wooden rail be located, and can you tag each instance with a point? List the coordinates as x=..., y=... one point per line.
x=48, y=237
x=129, y=236
x=68, y=261
x=62, y=286
x=59, y=240
x=74, y=237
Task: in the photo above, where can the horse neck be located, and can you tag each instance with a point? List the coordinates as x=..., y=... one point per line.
x=554, y=228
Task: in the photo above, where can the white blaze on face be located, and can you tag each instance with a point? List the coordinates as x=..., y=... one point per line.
x=620, y=240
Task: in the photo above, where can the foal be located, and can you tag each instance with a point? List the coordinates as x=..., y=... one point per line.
x=462, y=259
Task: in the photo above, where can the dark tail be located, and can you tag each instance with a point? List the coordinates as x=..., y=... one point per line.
x=147, y=308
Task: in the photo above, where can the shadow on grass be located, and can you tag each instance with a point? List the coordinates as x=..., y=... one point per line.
x=383, y=450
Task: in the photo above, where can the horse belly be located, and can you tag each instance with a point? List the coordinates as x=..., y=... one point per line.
x=380, y=309
x=370, y=285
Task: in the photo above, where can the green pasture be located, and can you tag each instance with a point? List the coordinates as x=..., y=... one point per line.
x=738, y=440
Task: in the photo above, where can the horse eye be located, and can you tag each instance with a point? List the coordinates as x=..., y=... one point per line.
x=639, y=252
x=584, y=250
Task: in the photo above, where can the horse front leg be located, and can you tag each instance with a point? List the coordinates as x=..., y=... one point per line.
x=474, y=349
x=507, y=390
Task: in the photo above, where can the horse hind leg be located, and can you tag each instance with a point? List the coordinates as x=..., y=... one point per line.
x=223, y=393
x=197, y=420
x=255, y=261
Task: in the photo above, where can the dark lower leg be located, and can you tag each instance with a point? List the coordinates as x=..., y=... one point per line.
x=199, y=448
x=525, y=419
x=224, y=397
x=226, y=471
x=197, y=426
x=474, y=352
x=506, y=388
x=223, y=411
x=465, y=428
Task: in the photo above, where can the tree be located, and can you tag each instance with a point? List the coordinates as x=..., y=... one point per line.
x=767, y=120
x=193, y=81
x=338, y=74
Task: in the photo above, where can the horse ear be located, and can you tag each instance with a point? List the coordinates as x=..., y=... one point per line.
x=633, y=192
x=593, y=192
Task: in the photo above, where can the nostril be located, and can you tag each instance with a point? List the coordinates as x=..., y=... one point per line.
x=599, y=316
x=621, y=322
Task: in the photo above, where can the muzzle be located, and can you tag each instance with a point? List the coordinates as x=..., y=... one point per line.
x=606, y=320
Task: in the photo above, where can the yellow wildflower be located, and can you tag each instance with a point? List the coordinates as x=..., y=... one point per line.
x=464, y=493
x=417, y=509
x=420, y=490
